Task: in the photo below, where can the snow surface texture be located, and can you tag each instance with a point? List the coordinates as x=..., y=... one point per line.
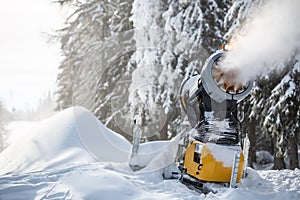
x=56, y=160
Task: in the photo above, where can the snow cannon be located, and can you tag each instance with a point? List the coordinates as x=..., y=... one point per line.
x=213, y=152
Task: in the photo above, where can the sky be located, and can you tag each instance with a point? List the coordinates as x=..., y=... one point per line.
x=28, y=59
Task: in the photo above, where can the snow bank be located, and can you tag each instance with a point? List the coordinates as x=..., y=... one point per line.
x=104, y=144
x=116, y=181
x=269, y=184
x=90, y=181
x=155, y=156
x=165, y=157
x=71, y=136
x=75, y=136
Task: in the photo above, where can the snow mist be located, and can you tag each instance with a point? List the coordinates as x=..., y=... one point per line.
x=267, y=40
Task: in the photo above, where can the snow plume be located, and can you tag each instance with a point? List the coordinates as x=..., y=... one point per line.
x=267, y=40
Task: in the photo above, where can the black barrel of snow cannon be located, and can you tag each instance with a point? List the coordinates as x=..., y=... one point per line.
x=216, y=82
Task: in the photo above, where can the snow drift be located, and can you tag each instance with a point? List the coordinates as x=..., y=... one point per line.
x=76, y=136
x=72, y=136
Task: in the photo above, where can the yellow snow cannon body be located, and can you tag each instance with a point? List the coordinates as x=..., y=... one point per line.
x=212, y=162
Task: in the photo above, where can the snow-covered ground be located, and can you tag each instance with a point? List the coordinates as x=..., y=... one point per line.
x=73, y=156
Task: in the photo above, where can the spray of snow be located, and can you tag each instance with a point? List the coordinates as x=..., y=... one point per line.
x=269, y=38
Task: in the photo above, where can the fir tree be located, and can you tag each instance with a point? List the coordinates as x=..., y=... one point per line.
x=281, y=120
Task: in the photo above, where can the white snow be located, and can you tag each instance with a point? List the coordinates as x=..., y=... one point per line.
x=147, y=151
x=58, y=160
x=264, y=160
x=227, y=153
x=72, y=136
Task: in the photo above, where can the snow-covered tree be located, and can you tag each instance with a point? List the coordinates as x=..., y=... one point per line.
x=96, y=44
x=282, y=116
x=65, y=80
x=238, y=15
x=87, y=45
x=261, y=91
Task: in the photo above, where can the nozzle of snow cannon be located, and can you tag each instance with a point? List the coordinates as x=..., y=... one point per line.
x=220, y=83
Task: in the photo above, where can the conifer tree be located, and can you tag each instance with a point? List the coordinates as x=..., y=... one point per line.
x=281, y=120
